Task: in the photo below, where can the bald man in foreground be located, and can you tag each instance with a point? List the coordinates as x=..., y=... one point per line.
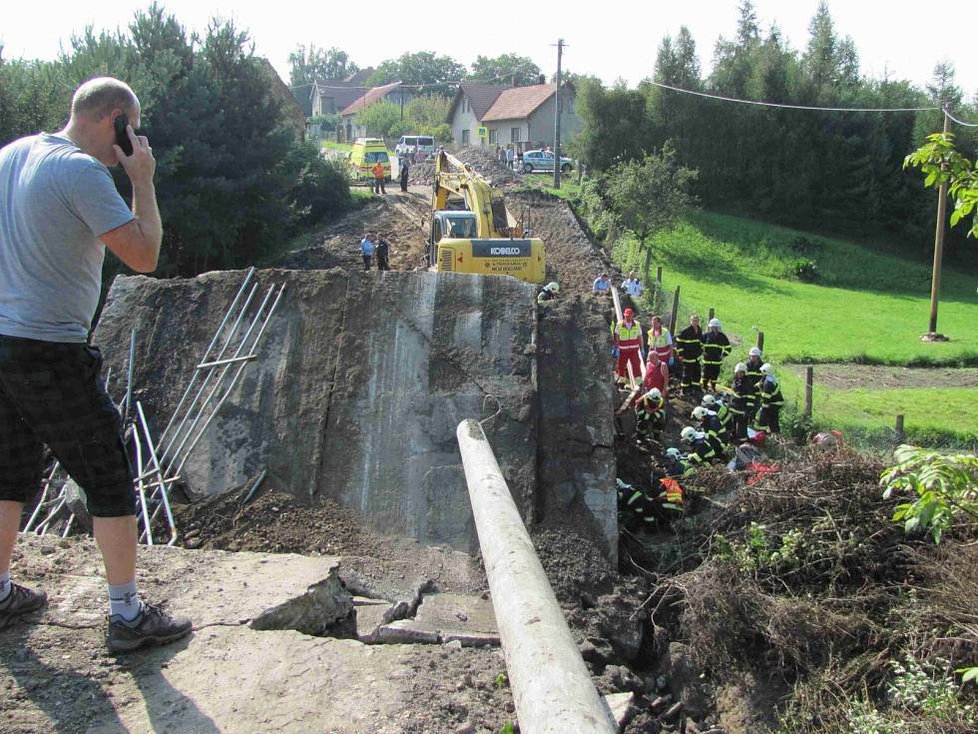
x=59, y=210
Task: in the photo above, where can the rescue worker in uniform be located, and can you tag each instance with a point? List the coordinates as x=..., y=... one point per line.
x=689, y=348
x=716, y=346
x=676, y=463
x=769, y=402
x=754, y=364
x=660, y=340
x=742, y=404
x=718, y=406
x=635, y=508
x=548, y=292
x=710, y=425
x=650, y=414
x=701, y=452
x=627, y=335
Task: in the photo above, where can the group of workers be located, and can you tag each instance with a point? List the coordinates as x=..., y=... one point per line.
x=725, y=418
x=375, y=244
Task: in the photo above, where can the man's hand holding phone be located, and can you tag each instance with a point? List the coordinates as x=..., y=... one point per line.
x=133, y=152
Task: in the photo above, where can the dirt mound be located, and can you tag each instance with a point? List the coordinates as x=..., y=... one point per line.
x=482, y=161
x=573, y=260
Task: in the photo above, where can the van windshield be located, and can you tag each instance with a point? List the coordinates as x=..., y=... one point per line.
x=374, y=157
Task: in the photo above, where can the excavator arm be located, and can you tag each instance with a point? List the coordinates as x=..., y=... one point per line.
x=454, y=178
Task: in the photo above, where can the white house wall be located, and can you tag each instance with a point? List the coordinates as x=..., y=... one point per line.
x=541, y=123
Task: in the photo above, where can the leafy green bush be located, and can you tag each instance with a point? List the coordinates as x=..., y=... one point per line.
x=943, y=489
x=804, y=270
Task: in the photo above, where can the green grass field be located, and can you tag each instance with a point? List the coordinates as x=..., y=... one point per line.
x=867, y=304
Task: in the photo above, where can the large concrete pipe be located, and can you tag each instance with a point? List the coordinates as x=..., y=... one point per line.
x=552, y=688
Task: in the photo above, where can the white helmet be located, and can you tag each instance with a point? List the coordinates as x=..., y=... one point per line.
x=714, y=322
x=688, y=434
x=755, y=352
x=654, y=394
x=708, y=400
x=552, y=286
x=699, y=412
x=767, y=369
x=740, y=367
x=674, y=453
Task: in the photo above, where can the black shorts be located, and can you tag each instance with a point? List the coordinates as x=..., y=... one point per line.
x=51, y=393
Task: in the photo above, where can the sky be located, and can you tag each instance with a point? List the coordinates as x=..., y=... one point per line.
x=611, y=39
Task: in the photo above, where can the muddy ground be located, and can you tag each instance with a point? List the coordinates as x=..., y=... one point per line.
x=849, y=376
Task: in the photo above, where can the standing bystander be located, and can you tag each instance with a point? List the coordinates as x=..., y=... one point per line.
x=59, y=210
x=367, y=248
x=383, y=252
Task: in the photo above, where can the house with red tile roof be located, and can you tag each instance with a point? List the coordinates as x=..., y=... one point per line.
x=522, y=116
x=395, y=92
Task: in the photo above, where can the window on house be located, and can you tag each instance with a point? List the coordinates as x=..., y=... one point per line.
x=514, y=135
x=492, y=136
x=569, y=105
x=465, y=137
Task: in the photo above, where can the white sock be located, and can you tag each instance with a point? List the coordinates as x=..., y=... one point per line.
x=4, y=584
x=124, y=601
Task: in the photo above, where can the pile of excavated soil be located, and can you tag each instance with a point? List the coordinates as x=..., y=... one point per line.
x=573, y=260
x=482, y=161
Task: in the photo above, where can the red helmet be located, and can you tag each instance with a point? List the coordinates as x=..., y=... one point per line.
x=627, y=312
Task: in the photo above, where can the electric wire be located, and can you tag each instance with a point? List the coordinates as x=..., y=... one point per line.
x=795, y=106
x=961, y=122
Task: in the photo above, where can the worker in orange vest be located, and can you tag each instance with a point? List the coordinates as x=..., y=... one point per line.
x=628, y=341
x=378, y=170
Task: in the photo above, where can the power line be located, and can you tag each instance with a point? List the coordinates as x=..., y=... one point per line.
x=795, y=106
x=961, y=122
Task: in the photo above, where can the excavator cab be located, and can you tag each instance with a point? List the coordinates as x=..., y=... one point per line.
x=472, y=231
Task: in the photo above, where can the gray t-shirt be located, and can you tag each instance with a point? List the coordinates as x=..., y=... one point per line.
x=55, y=202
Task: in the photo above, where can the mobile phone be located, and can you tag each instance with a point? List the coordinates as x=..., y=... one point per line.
x=121, y=136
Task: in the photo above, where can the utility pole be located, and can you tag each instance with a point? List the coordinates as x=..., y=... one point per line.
x=560, y=49
x=935, y=287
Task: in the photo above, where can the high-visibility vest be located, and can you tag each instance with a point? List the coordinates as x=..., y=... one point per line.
x=661, y=343
x=629, y=337
x=378, y=170
x=672, y=491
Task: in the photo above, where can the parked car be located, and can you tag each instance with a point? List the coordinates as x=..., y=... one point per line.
x=542, y=160
x=411, y=144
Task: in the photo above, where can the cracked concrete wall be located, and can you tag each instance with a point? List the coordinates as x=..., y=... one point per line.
x=576, y=458
x=360, y=383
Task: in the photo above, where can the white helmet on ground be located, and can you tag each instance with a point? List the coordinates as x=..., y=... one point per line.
x=740, y=367
x=688, y=434
x=714, y=323
x=767, y=369
x=653, y=394
x=708, y=400
x=755, y=352
x=674, y=453
x=699, y=412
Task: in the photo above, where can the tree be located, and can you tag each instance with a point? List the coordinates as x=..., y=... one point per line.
x=317, y=64
x=520, y=71
x=941, y=163
x=424, y=69
x=650, y=194
x=379, y=118
x=616, y=125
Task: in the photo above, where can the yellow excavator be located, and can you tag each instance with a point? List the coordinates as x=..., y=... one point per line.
x=472, y=230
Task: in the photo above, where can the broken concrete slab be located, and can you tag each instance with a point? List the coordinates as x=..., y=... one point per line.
x=408, y=631
x=226, y=677
x=445, y=618
x=621, y=706
x=371, y=614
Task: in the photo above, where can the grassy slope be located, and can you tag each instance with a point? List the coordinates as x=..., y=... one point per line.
x=868, y=305
x=865, y=306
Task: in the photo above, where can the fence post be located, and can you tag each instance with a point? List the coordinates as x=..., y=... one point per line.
x=675, y=311
x=712, y=314
x=809, y=382
x=898, y=428
x=658, y=275
x=760, y=340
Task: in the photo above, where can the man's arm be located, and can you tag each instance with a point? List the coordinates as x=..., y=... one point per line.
x=137, y=243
